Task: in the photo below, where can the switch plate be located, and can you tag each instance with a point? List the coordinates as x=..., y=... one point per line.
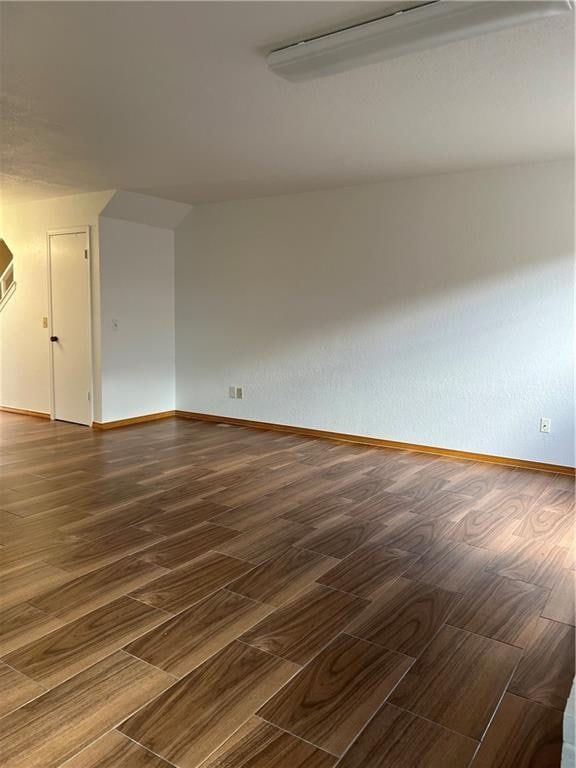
x=114, y=325
x=239, y=393
x=545, y=424
x=44, y=322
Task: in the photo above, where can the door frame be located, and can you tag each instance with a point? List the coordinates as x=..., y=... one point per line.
x=85, y=230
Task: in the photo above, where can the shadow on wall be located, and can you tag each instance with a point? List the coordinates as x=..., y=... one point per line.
x=412, y=314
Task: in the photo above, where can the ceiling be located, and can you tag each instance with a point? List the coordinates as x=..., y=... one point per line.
x=174, y=99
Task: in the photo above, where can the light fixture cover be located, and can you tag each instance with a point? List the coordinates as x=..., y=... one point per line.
x=424, y=26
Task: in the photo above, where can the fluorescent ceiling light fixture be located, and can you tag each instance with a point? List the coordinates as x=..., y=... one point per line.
x=413, y=29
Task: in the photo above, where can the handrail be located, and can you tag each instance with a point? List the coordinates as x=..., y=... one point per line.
x=8, y=269
x=7, y=281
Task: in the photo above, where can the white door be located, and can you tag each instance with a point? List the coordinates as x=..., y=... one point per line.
x=69, y=273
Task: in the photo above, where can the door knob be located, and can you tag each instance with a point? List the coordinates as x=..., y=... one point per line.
x=53, y=338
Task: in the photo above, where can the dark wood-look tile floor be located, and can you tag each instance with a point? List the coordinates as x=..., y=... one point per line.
x=182, y=595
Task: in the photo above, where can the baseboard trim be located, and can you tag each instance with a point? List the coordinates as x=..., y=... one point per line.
x=342, y=437
x=25, y=412
x=102, y=425
x=379, y=442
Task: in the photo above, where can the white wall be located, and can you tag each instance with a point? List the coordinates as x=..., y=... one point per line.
x=436, y=311
x=132, y=282
x=137, y=290
x=24, y=345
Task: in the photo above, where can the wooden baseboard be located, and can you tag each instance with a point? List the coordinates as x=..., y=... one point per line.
x=379, y=442
x=133, y=420
x=25, y=412
x=376, y=442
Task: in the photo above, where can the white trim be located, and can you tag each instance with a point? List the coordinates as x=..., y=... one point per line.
x=7, y=295
x=70, y=231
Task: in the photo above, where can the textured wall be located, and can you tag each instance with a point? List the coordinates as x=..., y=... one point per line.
x=435, y=311
x=137, y=291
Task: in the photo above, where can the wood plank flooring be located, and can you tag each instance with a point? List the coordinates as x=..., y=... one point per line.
x=180, y=594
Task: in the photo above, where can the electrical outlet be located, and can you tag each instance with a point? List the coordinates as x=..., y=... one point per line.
x=545, y=424
x=239, y=393
x=114, y=325
x=232, y=392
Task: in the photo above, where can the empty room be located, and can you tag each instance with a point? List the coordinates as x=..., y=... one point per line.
x=287, y=381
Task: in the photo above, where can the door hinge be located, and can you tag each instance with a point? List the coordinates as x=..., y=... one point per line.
x=89, y=398
x=85, y=253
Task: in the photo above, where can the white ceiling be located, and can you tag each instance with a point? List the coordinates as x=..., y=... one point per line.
x=174, y=99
